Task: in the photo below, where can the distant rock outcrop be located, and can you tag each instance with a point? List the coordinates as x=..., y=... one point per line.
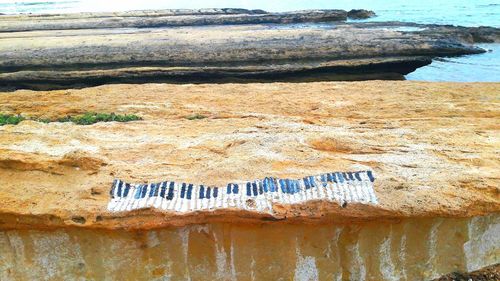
x=358, y=14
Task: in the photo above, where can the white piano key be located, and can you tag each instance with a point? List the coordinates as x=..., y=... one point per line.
x=339, y=197
x=220, y=196
x=364, y=192
x=213, y=199
x=329, y=191
x=320, y=188
x=131, y=200
x=177, y=197
x=352, y=189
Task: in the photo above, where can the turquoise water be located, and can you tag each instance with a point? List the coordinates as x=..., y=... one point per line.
x=484, y=67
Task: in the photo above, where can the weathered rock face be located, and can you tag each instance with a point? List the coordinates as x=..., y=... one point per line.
x=68, y=51
x=432, y=147
x=411, y=249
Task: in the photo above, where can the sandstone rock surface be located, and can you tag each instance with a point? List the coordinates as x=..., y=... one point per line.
x=432, y=146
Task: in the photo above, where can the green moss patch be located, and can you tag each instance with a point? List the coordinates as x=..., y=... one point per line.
x=7, y=119
x=84, y=119
x=92, y=117
x=196, y=117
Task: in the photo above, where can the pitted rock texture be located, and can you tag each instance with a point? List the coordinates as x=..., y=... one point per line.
x=433, y=147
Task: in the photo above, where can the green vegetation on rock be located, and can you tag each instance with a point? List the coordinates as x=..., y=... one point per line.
x=7, y=119
x=84, y=119
x=196, y=117
x=92, y=117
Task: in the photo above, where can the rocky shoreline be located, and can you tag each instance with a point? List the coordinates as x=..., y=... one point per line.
x=202, y=178
x=74, y=51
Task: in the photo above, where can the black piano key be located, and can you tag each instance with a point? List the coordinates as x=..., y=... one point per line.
x=183, y=190
x=261, y=188
x=266, y=185
x=162, y=190
x=334, y=179
x=282, y=185
x=323, y=180
x=358, y=177
x=119, y=193
x=306, y=183
x=235, y=188
x=152, y=189
x=126, y=190
x=202, y=192
x=329, y=177
x=157, y=189
x=170, y=194
x=346, y=178
x=144, y=190
x=288, y=186
x=207, y=193
x=249, y=187
x=351, y=176
x=312, y=181
x=216, y=192
x=370, y=176
x=272, y=186
x=275, y=184
x=229, y=186
x=254, y=189
x=189, y=191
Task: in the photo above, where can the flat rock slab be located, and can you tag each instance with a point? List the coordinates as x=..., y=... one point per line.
x=50, y=52
x=167, y=18
x=433, y=148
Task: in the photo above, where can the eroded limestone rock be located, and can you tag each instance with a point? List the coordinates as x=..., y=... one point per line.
x=432, y=147
x=410, y=249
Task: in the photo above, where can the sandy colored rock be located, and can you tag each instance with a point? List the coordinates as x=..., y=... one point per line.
x=432, y=146
x=408, y=249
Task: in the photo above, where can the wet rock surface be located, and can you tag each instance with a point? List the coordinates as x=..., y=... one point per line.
x=72, y=51
x=432, y=148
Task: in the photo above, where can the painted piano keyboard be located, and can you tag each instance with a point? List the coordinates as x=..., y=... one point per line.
x=258, y=195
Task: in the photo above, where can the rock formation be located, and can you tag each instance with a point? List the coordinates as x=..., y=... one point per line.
x=374, y=180
x=68, y=51
x=425, y=162
x=432, y=147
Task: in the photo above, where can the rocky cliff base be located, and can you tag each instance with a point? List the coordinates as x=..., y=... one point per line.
x=410, y=249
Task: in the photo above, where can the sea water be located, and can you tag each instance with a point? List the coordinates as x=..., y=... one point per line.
x=482, y=67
